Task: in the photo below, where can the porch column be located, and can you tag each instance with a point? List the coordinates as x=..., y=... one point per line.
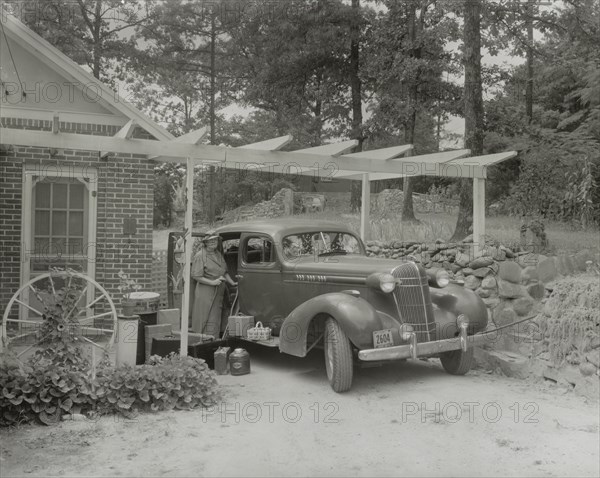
x=189, y=242
x=478, y=215
x=365, y=223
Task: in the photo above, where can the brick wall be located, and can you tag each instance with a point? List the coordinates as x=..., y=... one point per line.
x=125, y=189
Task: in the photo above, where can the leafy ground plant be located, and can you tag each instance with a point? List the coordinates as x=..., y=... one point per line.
x=54, y=383
x=177, y=382
x=59, y=378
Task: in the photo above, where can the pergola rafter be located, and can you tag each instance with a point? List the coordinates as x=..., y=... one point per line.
x=367, y=166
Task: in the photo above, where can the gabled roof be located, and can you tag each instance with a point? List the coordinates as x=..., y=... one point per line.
x=58, y=61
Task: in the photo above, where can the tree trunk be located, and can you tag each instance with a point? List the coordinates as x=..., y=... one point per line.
x=529, y=90
x=355, y=87
x=408, y=211
x=97, y=42
x=211, y=169
x=473, y=110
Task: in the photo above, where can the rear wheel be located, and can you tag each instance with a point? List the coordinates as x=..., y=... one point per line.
x=457, y=362
x=338, y=357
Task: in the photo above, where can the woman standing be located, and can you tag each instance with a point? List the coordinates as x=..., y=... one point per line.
x=210, y=273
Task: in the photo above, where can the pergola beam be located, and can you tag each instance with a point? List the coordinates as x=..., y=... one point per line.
x=273, y=144
x=333, y=149
x=276, y=161
x=478, y=215
x=365, y=208
x=383, y=153
x=435, y=164
x=192, y=137
x=126, y=132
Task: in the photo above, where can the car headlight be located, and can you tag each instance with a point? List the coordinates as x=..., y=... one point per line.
x=387, y=283
x=406, y=332
x=438, y=277
x=383, y=281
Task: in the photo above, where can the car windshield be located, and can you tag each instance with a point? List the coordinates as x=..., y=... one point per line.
x=320, y=243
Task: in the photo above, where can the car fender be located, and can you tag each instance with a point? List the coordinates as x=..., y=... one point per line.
x=452, y=301
x=357, y=318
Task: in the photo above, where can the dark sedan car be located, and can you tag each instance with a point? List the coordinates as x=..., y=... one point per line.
x=312, y=282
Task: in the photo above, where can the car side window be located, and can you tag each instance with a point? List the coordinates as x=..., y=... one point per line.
x=259, y=250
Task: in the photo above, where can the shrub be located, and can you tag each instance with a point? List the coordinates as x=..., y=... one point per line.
x=166, y=383
x=43, y=389
x=46, y=388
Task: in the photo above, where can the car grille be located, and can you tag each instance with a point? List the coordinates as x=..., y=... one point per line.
x=414, y=301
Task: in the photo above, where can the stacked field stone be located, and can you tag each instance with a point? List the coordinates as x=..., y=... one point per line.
x=510, y=283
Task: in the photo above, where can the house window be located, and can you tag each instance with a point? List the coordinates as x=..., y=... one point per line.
x=59, y=221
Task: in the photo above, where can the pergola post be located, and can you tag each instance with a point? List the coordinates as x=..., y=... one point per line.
x=189, y=244
x=478, y=215
x=365, y=223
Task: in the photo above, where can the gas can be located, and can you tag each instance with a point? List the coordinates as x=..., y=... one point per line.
x=221, y=356
x=239, y=362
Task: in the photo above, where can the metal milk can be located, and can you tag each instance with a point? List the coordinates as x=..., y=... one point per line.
x=239, y=362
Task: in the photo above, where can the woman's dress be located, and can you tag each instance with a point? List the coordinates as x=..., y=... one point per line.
x=208, y=299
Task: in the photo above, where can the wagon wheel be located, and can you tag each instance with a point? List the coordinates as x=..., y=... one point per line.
x=61, y=303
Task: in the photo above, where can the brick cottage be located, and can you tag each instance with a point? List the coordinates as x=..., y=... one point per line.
x=88, y=210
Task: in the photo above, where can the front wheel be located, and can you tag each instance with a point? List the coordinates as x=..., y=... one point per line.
x=457, y=362
x=338, y=357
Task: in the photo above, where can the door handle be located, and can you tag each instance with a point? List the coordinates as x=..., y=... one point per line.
x=239, y=276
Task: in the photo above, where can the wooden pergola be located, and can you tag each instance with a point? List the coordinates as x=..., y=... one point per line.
x=327, y=160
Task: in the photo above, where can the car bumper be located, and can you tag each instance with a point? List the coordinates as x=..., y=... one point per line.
x=415, y=350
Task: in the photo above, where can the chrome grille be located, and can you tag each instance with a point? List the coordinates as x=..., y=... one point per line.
x=414, y=301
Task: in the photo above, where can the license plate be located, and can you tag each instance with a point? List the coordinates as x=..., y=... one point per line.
x=383, y=338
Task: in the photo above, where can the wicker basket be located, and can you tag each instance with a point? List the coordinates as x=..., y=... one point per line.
x=258, y=332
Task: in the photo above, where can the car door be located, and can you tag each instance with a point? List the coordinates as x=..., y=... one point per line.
x=259, y=277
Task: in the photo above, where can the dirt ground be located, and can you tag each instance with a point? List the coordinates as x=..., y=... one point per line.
x=402, y=419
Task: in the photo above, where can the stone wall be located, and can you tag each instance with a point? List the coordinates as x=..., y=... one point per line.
x=512, y=284
x=388, y=203
x=281, y=204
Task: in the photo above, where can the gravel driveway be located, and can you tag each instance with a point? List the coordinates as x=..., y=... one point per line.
x=402, y=419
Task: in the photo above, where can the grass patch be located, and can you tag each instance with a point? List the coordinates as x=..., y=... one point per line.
x=504, y=229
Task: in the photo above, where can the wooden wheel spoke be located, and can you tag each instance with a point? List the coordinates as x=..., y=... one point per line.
x=91, y=303
x=25, y=321
x=37, y=294
x=92, y=342
x=75, y=303
x=97, y=329
x=52, y=285
x=31, y=346
x=29, y=307
x=97, y=316
x=22, y=335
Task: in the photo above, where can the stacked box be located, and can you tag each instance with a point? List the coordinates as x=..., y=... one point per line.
x=238, y=325
x=170, y=316
x=153, y=331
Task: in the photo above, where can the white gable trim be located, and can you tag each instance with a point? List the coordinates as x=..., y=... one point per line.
x=66, y=116
x=65, y=66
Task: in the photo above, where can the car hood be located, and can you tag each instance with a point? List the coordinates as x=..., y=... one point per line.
x=342, y=265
